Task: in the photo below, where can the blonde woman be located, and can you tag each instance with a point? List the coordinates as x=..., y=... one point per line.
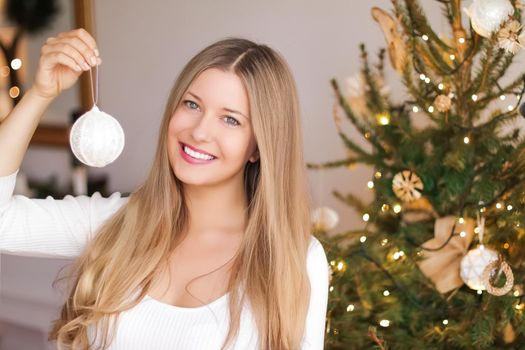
x=213, y=250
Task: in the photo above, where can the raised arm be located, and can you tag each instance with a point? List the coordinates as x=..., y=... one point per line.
x=47, y=227
x=62, y=61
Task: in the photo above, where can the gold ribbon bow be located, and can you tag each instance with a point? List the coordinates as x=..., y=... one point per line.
x=442, y=266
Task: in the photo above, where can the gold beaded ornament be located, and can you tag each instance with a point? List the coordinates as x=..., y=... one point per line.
x=407, y=185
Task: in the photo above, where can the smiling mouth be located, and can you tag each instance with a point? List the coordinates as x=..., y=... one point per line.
x=196, y=154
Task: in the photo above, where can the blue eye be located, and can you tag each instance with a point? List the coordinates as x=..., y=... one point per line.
x=232, y=121
x=190, y=103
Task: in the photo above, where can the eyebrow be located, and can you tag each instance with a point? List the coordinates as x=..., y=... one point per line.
x=226, y=109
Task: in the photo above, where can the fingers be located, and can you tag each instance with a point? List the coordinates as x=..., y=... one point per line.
x=79, y=47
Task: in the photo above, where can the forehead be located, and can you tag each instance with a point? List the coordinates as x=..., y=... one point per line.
x=220, y=89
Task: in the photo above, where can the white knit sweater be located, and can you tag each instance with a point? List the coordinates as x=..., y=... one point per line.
x=52, y=228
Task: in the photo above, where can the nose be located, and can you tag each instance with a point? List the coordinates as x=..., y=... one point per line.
x=202, y=129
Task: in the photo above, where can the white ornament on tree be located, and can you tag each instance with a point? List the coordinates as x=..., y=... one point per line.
x=474, y=263
x=325, y=218
x=96, y=138
x=487, y=16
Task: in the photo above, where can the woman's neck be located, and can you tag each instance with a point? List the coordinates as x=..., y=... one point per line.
x=216, y=209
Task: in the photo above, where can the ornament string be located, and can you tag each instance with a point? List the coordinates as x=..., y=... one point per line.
x=94, y=87
x=481, y=227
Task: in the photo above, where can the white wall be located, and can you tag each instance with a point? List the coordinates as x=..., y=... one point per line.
x=144, y=45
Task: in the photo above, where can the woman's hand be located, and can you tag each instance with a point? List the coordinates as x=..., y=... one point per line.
x=63, y=59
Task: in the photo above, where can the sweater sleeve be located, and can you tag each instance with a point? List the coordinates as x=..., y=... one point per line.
x=318, y=272
x=50, y=227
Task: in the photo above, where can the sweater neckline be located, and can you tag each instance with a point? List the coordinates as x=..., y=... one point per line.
x=215, y=302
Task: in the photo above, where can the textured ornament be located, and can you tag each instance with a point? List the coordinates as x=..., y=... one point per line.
x=509, y=37
x=474, y=263
x=96, y=138
x=407, y=186
x=493, y=268
x=324, y=218
x=442, y=103
x=486, y=16
x=509, y=335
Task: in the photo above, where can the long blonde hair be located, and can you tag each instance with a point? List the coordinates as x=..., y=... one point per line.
x=119, y=264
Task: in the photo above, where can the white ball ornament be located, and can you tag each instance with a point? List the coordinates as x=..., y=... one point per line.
x=486, y=16
x=474, y=263
x=96, y=138
x=325, y=218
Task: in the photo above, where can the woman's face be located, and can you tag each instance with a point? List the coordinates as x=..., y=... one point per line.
x=210, y=136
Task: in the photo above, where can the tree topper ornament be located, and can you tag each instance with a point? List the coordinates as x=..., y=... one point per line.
x=96, y=138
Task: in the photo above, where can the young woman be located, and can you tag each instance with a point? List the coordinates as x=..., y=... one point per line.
x=213, y=250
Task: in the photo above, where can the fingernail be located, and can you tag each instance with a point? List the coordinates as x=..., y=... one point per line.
x=86, y=66
x=77, y=68
x=97, y=53
x=93, y=60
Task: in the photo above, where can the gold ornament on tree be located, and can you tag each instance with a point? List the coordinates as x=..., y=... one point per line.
x=407, y=186
x=509, y=37
x=442, y=103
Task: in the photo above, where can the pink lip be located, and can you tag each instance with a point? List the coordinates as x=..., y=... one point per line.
x=192, y=160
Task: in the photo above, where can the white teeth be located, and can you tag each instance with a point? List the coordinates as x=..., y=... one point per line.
x=197, y=155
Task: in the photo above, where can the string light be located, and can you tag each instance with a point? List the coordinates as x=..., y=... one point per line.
x=362, y=239
x=509, y=207
x=350, y=308
x=384, y=323
x=461, y=40
x=445, y=322
x=14, y=92
x=386, y=293
x=480, y=291
x=383, y=118
x=385, y=207
x=398, y=255
x=424, y=37
x=502, y=97
x=474, y=97
x=366, y=217
x=519, y=306
x=16, y=63
x=476, y=230
x=463, y=234
x=461, y=220
x=370, y=184
x=332, y=262
x=397, y=208
x=422, y=76
x=431, y=109
x=506, y=245
x=427, y=80
x=415, y=109
x=466, y=140
x=378, y=175
x=441, y=86
x=331, y=288
x=510, y=107
x=384, y=242
x=452, y=57
x=499, y=205
x=516, y=293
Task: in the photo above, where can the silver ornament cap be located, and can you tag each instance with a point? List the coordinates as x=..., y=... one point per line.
x=96, y=138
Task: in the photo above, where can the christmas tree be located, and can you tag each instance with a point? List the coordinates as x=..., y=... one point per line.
x=440, y=262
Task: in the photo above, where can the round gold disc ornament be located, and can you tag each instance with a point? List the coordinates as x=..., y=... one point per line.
x=490, y=270
x=407, y=186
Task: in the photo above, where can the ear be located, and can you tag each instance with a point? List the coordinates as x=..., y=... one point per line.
x=255, y=156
